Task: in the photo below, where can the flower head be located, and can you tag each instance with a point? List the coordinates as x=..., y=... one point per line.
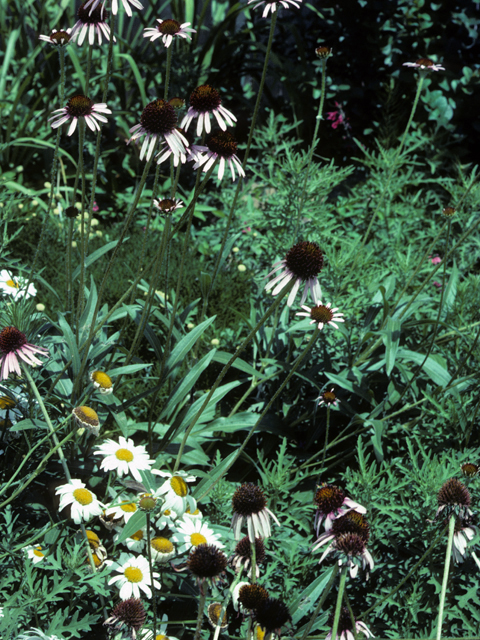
x=425, y=65
x=34, y=552
x=322, y=314
x=91, y=5
x=329, y=398
x=159, y=122
x=14, y=345
x=16, y=287
x=243, y=555
x=122, y=511
x=136, y=542
x=345, y=627
x=80, y=107
x=272, y=614
x=454, y=498
x=84, y=503
x=191, y=533
x=323, y=52
x=146, y=634
x=250, y=505
x=87, y=418
x=129, y=613
x=221, y=146
x=470, y=469
x=449, y=212
x=350, y=549
x=59, y=38
x=134, y=575
x=102, y=382
x=168, y=30
x=214, y=611
x=91, y=21
x=252, y=596
x=175, y=491
x=168, y=205
x=351, y=522
x=162, y=549
x=331, y=503
x=302, y=264
x=272, y=5
x=124, y=457
x=206, y=562
x=205, y=101
x=464, y=532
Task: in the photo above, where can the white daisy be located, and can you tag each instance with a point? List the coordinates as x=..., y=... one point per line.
x=84, y=503
x=15, y=287
x=193, y=515
x=191, y=533
x=205, y=101
x=175, y=491
x=168, y=30
x=34, y=552
x=122, y=509
x=322, y=314
x=162, y=549
x=146, y=634
x=166, y=519
x=124, y=457
x=136, y=542
x=134, y=575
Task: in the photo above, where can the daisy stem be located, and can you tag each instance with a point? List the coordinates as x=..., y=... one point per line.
x=312, y=149
x=321, y=602
x=89, y=68
x=326, y=440
x=201, y=607
x=390, y=173
x=448, y=556
x=150, y=566
x=244, y=163
x=288, y=287
x=295, y=366
x=167, y=71
x=338, y=608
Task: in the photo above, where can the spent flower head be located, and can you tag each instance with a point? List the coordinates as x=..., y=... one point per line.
x=454, y=498
x=87, y=418
x=102, y=382
x=129, y=616
x=272, y=614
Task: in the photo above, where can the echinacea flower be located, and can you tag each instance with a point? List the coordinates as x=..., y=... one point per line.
x=470, y=469
x=345, y=631
x=464, y=532
x=129, y=615
x=271, y=615
x=425, y=65
x=175, y=491
x=168, y=205
x=454, y=498
x=91, y=5
x=272, y=5
x=205, y=101
x=60, y=38
x=102, y=382
x=168, y=30
x=221, y=146
x=159, y=122
x=124, y=457
x=91, y=22
x=351, y=522
x=206, y=562
x=191, y=533
x=14, y=345
x=80, y=107
x=34, y=552
x=87, y=418
x=243, y=555
x=322, y=314
x=84, y=503
x=302, y=264
x=332, y=503
x=329, y=398
x=193, y=152
x=350, y=549
x=134, y=574
x=15, y=287
x=249, y=596
x=250, y=507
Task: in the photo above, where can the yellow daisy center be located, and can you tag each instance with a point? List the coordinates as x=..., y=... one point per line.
x=197, y=538
x=133, y=574
x=167, y=512
x=129, y=507
x=138, y=535
x=83, y=496
x=160, y=636
x=37, y=552
x=162, y=545
x=102, y=379
x=179, y=486
x=194, y=513
x=93, y=539
x=124, y=454
x=12, y=283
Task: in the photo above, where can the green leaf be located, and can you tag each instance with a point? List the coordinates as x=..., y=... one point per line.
x=310, y=596
x=186, y=344
x=223, y=357
x=72, y=344
x=136, y=522
x=93, y=257
x=432, y=368
x=391, y=340
x=204, y=487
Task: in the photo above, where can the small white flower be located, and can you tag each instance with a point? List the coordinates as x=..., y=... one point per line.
x=162, y=549
x=124, y=457
x=272, y=5
x=136, y=542
x=175, y=491
x=15, y=287
x=59, y=38
x=123, y=507
x=166, y=519
x=134, y=575
x=191, y=533
x=146, y=634
x=425, y=65
x=80, y=107
x=84, y=503
x=34, y=552
x=322, y=314
x=168, y=30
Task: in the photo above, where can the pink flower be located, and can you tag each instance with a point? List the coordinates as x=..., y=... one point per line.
x=95, y=207
x=14, y=345
x=435, y=260
x=437, y=284
x=246, y=230
x=338, y=117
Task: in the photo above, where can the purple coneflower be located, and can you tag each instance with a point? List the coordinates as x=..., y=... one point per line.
x=424, y=64
x=222, y=146
x=58, y=38
x=332, y=503
x=168, y=30
x=272, y=5
x=14, y=345
x=345, y=631
x=322, y=314
x=329, y=398
x=350, y=549
x=93, y=4
x=205, y=101
x=80, y=107
x=250, y=506
x=91, y=22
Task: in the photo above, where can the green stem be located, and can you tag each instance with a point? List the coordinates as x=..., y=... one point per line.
x=150, y=566
x=167, y=72
x=89, y=68
x=321, y=602
x=326, y=440
x=201, y=19
x=312, y=149
x=338, y=608
x=448, y=556
x=201, y=608
x=81, y=139
x=253, y=560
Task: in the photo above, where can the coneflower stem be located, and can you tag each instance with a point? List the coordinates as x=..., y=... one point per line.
x=150, y=567
x=338, y=608
x=448, y=557
x=201, y=608
x=167, y=72
x=253, y=560
x=326, y=440
x=321, y=602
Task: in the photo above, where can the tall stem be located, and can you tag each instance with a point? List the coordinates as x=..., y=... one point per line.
x=201, y=608
x=448, y=557
x=81, y=139
x=321, y=602
x=338, y=608
x=326, y=440
x=167, y=72
x=150, y=567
